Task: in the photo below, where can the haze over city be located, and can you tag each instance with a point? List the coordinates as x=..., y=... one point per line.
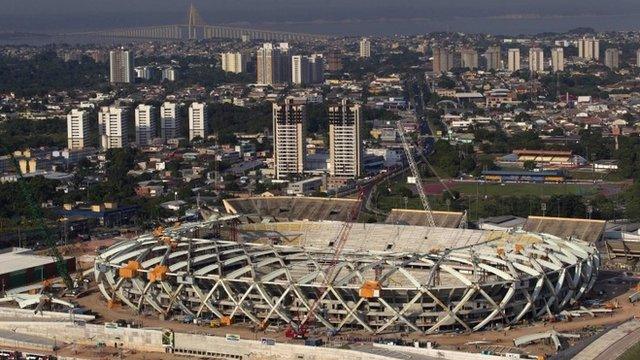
x=349, y=17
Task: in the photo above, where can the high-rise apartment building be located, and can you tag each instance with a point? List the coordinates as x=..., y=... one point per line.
x=289, y=119
x=307, y=69
x=589, y=48
x=234, y=62
x=121, y=66
x=169, y=121
x=513, y=60
x=112, y=127
x=612, y=58
x=197, y=120
x=557, y=59
x=536, y=60
x=273, y=64
x=345, y=140
x=494, y=58
x=77, y=129
x=442, y=60
x=469, y=58
x=365, y=48
x=300, y=70
x=145, y=120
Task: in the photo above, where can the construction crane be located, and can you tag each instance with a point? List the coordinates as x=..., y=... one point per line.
x=416, y=174
x=299, y=331
x=37, y=216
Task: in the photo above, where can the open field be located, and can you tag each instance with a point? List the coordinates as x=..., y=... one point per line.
x=523, y=189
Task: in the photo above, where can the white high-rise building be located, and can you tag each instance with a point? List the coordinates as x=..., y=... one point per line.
x=77, y=129
x=345, y=140
x=307, y=69
x=197, y=120
x=235, y=62
x=513, y=60
x=300, y=70
x=536, y=60
x=145, y=119
x=289, y=119
x=121, y=66
x=589, y=48
x=557, y=59
x=112, y=127
x=365, y=48
x=612, y=58
x=638, y=58
x=273, y=64
x=169, y=121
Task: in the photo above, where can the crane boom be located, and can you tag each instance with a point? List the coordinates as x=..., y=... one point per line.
x=37, y=216
x=416, y=174
x=338, y=246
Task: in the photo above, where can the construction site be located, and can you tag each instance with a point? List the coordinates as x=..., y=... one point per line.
x=305, y=278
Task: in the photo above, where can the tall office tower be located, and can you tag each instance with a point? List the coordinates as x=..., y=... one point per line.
x=612, y=58
x=638, y=58
x=316, y=66
x=442, y=60
x=345, y=140
x=513, y=60
x=494, y=58
x=289, y=120
x=285, y=63
x=77, y=129
x=365, y=48
x=557, y=59
x=234, y=62
x=469, y=58
x=273, y=64
x=536, y=60
x=589, y=48
x=121, y=66
x=169, y=121
x=300, y=70
x=145, y=119
x=112, y=127
x=197, y=120
x=334, y=61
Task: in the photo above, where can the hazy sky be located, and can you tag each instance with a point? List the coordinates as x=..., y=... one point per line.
x=63, y=15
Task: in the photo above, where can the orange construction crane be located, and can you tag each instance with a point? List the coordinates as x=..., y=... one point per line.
x=299, y=331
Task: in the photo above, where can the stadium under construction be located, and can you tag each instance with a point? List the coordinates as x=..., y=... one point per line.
x=273, y=262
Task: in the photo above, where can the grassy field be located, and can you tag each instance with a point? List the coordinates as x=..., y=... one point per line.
x=632, y=354
x=524, y=189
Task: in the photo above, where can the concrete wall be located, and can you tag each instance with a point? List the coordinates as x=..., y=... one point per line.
x=6, y=312
x=89, y=334
x=252, y=349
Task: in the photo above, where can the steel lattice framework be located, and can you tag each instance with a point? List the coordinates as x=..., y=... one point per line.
x=471, y=288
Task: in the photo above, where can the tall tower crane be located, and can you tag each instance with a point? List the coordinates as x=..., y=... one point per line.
x=416, y=174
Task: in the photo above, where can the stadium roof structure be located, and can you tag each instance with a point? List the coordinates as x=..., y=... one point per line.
x=584, y=229
x=288, y=208
x=447, y=219
x=431, y=280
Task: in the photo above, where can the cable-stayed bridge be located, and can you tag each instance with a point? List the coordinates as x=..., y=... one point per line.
x=197, y=29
